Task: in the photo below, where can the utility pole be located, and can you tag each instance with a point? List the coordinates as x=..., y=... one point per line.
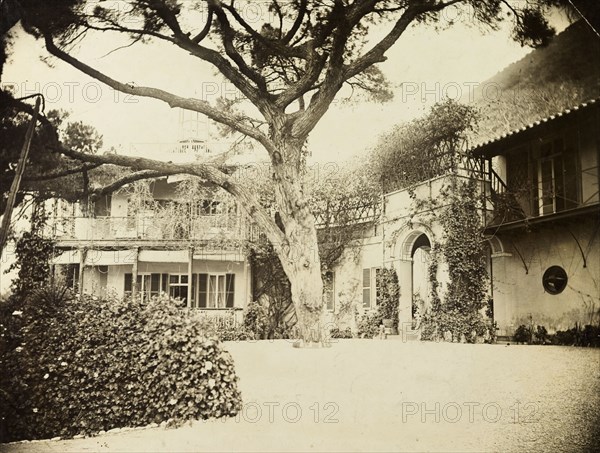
x=14, y=188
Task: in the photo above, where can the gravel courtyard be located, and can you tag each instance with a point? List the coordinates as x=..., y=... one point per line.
x=363, y=395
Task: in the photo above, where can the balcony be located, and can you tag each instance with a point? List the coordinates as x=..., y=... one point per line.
x=149, y=228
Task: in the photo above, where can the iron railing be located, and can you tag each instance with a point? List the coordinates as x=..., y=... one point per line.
x=218, y=226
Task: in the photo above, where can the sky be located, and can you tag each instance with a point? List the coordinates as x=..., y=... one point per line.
x=423, y=67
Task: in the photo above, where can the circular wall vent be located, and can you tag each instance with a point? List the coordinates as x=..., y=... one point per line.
x=555, y=280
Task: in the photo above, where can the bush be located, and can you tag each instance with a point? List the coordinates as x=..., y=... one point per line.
x=368, y=325
x=523, y=334
x=337, y=333
x=223, y=328
x=564, y=337
x=256, y=319
x=589, y=336
x=388, y=295
x=269, y=319
x=540, y=335
x=84, y=365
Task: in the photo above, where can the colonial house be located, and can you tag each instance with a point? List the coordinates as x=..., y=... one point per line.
x=156, y=239
x=544, y=222
x=540, y=211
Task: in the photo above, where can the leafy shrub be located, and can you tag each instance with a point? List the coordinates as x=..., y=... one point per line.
x=564, y=337
x=523, y=334
x=416, y=310
x=540, y=335
x=388, y=295
x=337, y=333
x=83, y=365
x=223, y=328
x=368, y=325
x=33, y=252
x=256, y=319
x=589, y=336
x=492, y=332
x=266, y=319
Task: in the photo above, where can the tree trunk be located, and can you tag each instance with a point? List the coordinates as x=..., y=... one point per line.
x=300, y=254
x=304, y=272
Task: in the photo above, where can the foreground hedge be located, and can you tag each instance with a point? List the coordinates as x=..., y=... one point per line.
x=84, y=365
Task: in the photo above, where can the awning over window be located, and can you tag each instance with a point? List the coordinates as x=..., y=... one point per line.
x=164, y=256
x=109, y=257
x=68, y=257
x=216, y=256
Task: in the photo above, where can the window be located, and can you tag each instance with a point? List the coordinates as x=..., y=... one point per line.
x=148, y=285
x=369, y=282
x=555, y=280
x=329, y=290
x=71, y=272
x=216, y=290
x=208, y=290
x=367, y=288
x=101, y=206
x=178, y=286
x=556, y=175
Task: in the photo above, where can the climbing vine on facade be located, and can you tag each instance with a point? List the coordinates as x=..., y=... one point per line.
x=460, y=314
x=33, y=253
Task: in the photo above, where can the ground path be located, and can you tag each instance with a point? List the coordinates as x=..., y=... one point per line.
x=377, y=395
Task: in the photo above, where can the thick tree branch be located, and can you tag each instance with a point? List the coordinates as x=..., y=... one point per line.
x=315, y=64
x=209, y=173
x=377, y=53
x=279, y=47
x=128, y=179
x=227, y=35
x=338, y=73
x=61, y=174
x=297, y=23
x=239, y=78
x=173, y=100
x=204, y=32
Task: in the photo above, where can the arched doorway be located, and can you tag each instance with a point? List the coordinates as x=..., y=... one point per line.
x=410, y=256
x=420, y=283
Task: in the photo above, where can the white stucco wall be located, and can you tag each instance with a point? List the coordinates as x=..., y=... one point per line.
x=519, y=296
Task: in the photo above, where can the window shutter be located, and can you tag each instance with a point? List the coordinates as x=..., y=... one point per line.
x=202, y=290
x=378, y=285
x=366, y=288
x=229, y=289
x=163, y=283
x=128, y=282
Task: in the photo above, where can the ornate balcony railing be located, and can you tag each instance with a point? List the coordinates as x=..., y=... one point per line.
x=207, y=227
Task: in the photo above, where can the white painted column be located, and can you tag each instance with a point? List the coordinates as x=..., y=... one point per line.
x=134, y=273
x=190, y=274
